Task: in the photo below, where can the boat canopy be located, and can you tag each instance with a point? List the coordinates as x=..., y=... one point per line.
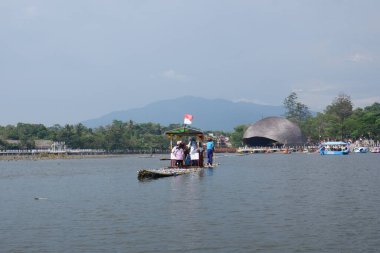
x=334, y=143
x=184, y=131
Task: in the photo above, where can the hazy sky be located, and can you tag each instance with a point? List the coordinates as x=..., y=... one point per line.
x=65, y=61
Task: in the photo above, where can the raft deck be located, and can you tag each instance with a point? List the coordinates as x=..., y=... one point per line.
x=169, y=172
x=165, y=172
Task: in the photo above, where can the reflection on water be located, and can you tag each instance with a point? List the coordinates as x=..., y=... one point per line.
x=267, y=203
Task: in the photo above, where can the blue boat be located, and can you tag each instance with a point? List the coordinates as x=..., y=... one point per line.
x=334, y=148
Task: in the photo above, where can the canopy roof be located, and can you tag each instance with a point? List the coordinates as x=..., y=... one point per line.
x=335, y=143
x=184, y=131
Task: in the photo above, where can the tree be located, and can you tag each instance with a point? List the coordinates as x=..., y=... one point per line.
x=372, y=120
x=315, y=128
x=67, y=135
x=296, y=111
x=341, y=109
x=365, y=122
x=237, y=135
x=115, y=135
x=354, y=124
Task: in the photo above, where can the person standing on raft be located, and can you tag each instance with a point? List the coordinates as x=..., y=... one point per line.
x=209, y=151
x=178, y=153
x=194, y=151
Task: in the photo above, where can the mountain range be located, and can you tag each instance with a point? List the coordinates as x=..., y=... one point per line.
x=208, y=114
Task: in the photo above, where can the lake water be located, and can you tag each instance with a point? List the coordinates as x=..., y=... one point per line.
x=253, y=203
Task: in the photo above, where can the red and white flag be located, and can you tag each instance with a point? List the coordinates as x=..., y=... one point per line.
x=188, y=119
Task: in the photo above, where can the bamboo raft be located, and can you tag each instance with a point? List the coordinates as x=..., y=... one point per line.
x=164, y=172
x=168, y=172
x=178, y=133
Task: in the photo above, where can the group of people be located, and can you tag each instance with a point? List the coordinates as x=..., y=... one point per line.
x=334, y=148
x=192, y=153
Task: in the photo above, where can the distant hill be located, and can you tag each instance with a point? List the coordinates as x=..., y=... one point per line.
x=209, y=114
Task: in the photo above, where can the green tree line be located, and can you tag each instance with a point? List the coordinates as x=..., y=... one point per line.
x=118, y=136
x=338, y=121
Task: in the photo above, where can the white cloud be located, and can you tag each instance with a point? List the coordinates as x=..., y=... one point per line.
x=360, y=58
x=315, y=87
x=316, y=94
x=30, y=12
x=363, y=102
x=173, y=75
x=254, y=101
x=321, y=89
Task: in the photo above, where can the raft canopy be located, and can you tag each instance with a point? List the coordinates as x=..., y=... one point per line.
x=184, y=131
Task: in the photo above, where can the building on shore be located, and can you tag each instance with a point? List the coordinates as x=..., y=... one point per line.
x=273, y=131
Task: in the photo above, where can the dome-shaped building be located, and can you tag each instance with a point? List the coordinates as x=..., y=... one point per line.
x=273, y=131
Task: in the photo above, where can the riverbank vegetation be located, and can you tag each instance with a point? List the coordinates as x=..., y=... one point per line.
x=339, y=121
x=119, y=136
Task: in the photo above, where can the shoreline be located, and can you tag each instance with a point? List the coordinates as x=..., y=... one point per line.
x=56, y=157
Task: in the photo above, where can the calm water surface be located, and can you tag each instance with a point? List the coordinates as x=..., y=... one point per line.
x=253, y=203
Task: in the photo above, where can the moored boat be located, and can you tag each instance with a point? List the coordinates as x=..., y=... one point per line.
x=334, y=148
x=361, y=149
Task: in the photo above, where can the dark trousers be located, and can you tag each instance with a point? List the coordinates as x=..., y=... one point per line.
x=210, y=154
x=179, y=163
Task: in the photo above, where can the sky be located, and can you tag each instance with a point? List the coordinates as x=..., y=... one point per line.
x=66, y=61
